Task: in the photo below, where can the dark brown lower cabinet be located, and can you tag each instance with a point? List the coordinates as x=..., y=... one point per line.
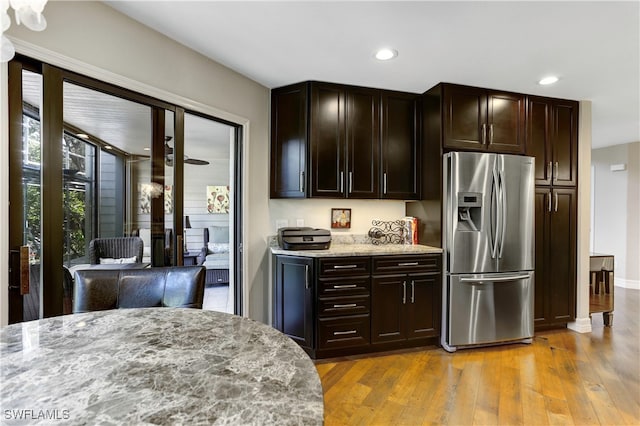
x=328, y=306
x=556, y=246
x=293, y=299
x=405, y=307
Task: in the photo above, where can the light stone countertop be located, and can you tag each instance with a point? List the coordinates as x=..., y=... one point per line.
x=338, y=249
x=155, y=366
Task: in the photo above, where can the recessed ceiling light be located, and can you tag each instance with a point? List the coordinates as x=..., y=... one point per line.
x=548, y=80
x=386, y=54
x=146, y=148
x=82, y=135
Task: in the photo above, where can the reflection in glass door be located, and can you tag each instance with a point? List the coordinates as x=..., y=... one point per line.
x=29, y=168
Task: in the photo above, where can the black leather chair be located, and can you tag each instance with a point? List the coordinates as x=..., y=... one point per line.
x=174, y=286
x=116, y=248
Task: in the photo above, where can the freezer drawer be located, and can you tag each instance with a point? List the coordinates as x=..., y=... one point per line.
x=489, y=308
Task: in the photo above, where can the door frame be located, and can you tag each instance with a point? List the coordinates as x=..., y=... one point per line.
x=170, y=100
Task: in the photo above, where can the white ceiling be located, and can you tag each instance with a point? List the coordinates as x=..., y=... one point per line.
x=594, y=47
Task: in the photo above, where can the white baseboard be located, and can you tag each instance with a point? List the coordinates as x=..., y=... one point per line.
x=621, y=282
x=580, y=325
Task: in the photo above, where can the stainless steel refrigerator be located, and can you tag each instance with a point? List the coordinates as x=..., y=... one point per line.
x=488, y=242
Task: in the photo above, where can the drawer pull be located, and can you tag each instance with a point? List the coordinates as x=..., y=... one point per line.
x=346, y=305
x=345, y=286
x=344, y=266
x=342, y=333
x=408, y=264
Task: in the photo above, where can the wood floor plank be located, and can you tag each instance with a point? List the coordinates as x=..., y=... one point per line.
x=562, y=378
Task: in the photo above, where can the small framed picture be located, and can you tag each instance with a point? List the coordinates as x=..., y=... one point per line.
x=341, y=218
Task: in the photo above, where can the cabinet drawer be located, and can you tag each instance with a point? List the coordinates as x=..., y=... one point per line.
x=344, y=266
x=336, y=306
x=343, y=332
x=343, y=286
x=406, y=264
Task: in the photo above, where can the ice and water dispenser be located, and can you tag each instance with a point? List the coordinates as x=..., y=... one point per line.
x=469, y=211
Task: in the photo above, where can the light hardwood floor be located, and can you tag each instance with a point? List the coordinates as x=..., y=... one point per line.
x=563, y=378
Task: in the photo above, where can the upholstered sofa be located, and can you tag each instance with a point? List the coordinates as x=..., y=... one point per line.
x=174, y=286
x=210, y=245
x=217, y=257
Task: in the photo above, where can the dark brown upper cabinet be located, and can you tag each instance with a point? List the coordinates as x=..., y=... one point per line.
x=400, y=150
x=344, y=141
x=552, y=138
x=482, y=119
x=289, y=141
x=359, y=143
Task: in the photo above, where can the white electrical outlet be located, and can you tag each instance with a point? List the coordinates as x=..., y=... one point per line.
x=281, y=223
x=299, y=222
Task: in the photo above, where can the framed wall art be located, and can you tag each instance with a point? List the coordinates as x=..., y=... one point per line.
x=340, y=218
x=217, y=199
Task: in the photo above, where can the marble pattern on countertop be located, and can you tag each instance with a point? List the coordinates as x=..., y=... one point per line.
x=360, y=250
x=157, y=366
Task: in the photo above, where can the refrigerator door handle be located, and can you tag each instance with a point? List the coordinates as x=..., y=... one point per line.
x=495, y=210
x=495, y=279
x=503, y=211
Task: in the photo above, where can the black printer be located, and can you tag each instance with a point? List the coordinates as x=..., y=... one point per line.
x=305, y=238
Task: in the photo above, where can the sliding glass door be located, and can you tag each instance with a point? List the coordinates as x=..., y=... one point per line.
x=89, y=160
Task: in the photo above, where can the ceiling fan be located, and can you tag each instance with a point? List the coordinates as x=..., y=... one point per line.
x=168, y=155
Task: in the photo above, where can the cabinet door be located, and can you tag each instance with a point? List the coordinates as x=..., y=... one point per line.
x=400, y=148
x=544, y=206
x=363, y=143
x=564, y=143
x=562, y=256
x=423, y=305
x=288, y=142
x=539, y=137
x=505, y=122
x=465, y=112
x=388, y=299
x=293, y=298
x=327, y=144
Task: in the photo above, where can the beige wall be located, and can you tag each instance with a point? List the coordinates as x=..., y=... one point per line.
x=616, y=207
x=92, y=38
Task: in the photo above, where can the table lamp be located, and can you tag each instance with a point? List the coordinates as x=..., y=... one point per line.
x=187, y=225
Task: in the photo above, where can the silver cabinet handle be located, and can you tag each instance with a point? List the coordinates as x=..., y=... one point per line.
x=404, y=292
x=549, y=170
x=306, y=277
x=408, y=264
x=346, y=305
x=341, y=333
x=549, y=201
x=301, y=182
x=350, y=182
x=345, y=286
x=384, y=183
x=344, y=266
x=484, y=134
x=555, y=172
x=341, y=181
x=555, y=204
x=413, y=291
x=490, y=133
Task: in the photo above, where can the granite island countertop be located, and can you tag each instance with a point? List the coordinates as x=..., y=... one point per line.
x=155, y=366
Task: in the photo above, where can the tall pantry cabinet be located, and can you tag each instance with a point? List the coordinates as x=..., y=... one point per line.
x=552, y=138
